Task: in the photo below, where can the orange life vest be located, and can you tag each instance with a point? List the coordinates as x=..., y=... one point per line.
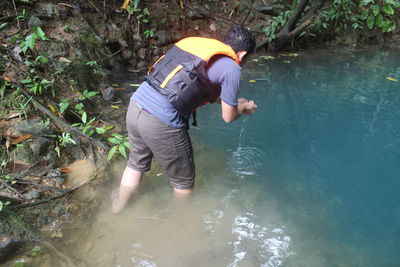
x=180, y=75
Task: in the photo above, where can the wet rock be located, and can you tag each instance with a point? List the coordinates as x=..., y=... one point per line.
x=163, y=38
x=8, y=247
x=34, y=126
x=40, y=146
x=142, y=53
x=109, y=94
x=81, y=172
x=32, y=194
x=272, y=10
x=141, y=65
x=192, y=14
x=34, y=22
x=16, y=53
x=56, y=175
x=23, y=154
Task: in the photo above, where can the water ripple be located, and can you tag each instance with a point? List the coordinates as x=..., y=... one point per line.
x=271, y=246
x=246, y=160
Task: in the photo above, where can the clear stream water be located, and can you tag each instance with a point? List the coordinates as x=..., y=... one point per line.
x=311, y=179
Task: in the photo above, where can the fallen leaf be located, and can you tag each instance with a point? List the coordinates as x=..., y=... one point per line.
x=115, y=107
x=12, y=115
x=21, y=139
x=52, y=108
x=6, y=78
x=64, y=60
x=134, y=84
x=391, y=79
x=108, y=127
x=119, y=88
x=252, y=81
x=65, y=170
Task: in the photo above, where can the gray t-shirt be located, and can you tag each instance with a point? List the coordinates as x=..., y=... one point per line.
x=224, y=75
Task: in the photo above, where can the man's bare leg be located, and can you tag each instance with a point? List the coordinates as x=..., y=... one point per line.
x=129, y=183
x=182, y=193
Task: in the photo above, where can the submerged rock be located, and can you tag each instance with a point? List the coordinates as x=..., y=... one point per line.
x=35, y=126
x=8, y=247
x=40, y=145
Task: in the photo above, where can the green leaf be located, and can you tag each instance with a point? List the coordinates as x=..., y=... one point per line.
x=376, y=9
x=127, y=145
x=388, y=9
x=79, y=106
x=100, y=130
x=84, y=117
x=122, y=150
x=41, y=34
x=26, y=81
x=112, y=152
x=3, y=25
x=30, y=40
x=379, y=21
x=364, y=14
x=114, y=140
x=388, y=26
x=63, y=106
x=370, y=22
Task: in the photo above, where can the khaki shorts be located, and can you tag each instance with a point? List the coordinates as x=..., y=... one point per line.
x=170, y=146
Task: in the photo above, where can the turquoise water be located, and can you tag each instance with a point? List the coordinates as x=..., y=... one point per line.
x=318, y=164
x=310, y=180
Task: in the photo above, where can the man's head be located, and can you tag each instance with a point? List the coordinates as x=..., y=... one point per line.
x=241, y=40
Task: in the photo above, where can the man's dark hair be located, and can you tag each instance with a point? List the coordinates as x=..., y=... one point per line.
x=240, y=39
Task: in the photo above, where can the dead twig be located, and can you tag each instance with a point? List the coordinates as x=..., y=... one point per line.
x=16, y=14
x=230, y=23
x=12, y=189
x=41, y=186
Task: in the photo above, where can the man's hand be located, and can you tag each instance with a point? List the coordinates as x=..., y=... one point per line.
x=231, y=113
x=246, y=106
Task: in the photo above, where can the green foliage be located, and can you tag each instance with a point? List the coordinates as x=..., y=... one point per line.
x=87, y=126
x=95, y=67
x=36, y=85
x=149, y=33
x=379, y=14
x=23, y=16
x=3, y=25
x=65, y=138
x=30, y=40
x=4, y=204
x=360, y=15
x=63, y=106
x=141, y=15
x=3, y=86
x=87, y=94
x=275, y=24
x=120, y=143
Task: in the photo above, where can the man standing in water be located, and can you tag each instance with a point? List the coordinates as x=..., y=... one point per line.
x=193, y=72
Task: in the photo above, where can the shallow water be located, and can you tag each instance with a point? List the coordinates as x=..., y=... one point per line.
x=311, y=179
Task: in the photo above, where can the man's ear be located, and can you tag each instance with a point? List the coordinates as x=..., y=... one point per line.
x=241, y=54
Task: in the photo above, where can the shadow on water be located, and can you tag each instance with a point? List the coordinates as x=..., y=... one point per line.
x=311, y=179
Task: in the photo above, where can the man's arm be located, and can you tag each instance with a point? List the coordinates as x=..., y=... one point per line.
x=231, y=113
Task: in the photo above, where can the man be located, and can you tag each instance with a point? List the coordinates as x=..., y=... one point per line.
x=193, y=72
